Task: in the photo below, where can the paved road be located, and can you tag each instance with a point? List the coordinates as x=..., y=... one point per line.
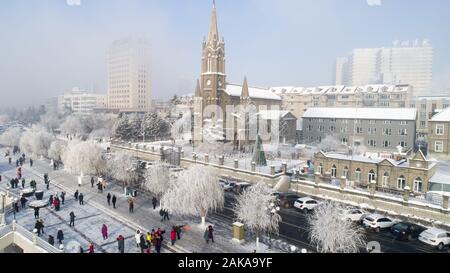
x=294, y=229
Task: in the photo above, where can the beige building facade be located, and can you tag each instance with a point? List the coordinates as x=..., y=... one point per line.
x=439, y=133
x=81, y=101
x=388, y=173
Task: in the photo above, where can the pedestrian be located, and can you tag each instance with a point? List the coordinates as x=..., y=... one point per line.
x=131, y=205
x=104, y=232
x=206, y=235
x=154, y=202
x=81, y=250
x=137, y=237
x=158, y=243
x=51, y=240
x=23, y=201
x=17, y=163
x=72, y=219
x=91, y=248
x=92, y=181
x=23, y=183
x=42, y=225
x=50, y=200
x=100, y=187
x=36, y=213
x=178, y=231
x=210, y=233
x=121, y=244
x=76, y=195
x=60, y=236
x=173, y=235
x=166, y=215
x=142, y=245
x=31, y=162
x=161, y=213
x=56, y=203
x=38, y=227
x=108, y=198
x=81, y=199
x=149, y=240
x=63, y=197
x=16, y=207
x=114, y=199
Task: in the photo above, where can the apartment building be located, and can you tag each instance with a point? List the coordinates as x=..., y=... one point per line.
x=439, y=133
x=81, y=101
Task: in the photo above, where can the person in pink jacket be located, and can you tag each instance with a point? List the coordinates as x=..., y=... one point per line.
x=173, y=235
x=104, y=232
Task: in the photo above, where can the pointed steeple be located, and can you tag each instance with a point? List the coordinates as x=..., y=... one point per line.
x=213, y=29
x=245, y=93
x=198, y=92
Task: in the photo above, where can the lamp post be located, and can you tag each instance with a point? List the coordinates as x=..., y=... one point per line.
x=2, y=219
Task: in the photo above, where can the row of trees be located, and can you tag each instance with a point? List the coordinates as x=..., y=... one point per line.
x=142, y=127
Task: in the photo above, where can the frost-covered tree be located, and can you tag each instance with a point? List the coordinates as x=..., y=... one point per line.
x=51, y=120
x=84, y=157
x=259, y=157
x=56, y=150
x=74, y=125
x=331, y=233
x=331, y=144
x=196, y=192
x=36, y=141
x=11, y=137
x=148, y=126
x=256, y=209
x=120, y=168
x=4, y=119
x=157, y=179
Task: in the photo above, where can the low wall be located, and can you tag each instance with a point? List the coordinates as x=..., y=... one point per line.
x=411, y=209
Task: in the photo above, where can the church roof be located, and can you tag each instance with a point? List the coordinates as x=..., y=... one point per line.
x=235, y=90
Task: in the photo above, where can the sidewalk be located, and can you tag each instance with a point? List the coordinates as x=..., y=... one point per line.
x=144, y=217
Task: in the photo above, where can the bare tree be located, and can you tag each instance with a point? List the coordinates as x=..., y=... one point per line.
x=331, y=233
x=256, y=209
x=196, y=192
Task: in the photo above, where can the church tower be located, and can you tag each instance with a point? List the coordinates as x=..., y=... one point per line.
x=213, y=65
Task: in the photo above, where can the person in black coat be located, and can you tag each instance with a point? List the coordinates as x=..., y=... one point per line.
x=60, y=236
x=114, y=200
x=142, y=243
x=31, y=162
x=23, y=201
x=76, y=195
x=36, y=213
x=154, y=202
x=51, y=240
x=92, y=182
x=63, y=197
x=108, y=198
x=81, y=199
x=72, y=219
x=38, y=227
x=23, y=183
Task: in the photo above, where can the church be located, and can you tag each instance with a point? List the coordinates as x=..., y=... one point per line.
x=213, y=89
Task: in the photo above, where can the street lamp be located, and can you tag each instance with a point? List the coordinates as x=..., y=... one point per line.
x=2, y=219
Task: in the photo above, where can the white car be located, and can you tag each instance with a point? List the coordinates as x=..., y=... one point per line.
x=378, y=222
x=435, y=237
x=306, y=204
x=353, y=214
x=227, y=186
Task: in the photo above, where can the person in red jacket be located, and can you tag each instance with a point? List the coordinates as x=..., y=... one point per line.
x=173, y=235
x=91, y=248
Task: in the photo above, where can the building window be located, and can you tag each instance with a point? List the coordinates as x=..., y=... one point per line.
x=345, y=172
x=358, y=130
x=440, y=129
x=320, y=169
x=385, y=181
x=403, y=132
x=372, y=131
x=387, y=122
x=386, y=144
x=418, y=185
x=332, y=128
x=387, y=131
x=401, y=183
x=333, y=171
x=372, y=121
x=372, y=143
x=403, y=144
x=371, y=176
x=344, y=141
x=403, y=122
x=358, y=175
x=439, y=146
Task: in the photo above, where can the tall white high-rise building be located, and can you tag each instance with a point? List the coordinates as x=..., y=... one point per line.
x=402, y=64
x=129, y=86
x=341, y=75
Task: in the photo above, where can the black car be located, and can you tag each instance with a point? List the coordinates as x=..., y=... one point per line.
x=286, y=199
x=406, y=231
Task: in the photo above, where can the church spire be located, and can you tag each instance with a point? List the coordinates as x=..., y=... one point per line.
x=245, y=93
x=213, y=29
x=198, y=92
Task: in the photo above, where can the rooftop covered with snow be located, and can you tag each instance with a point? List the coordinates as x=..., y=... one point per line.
x=254, y=92
x=443, y=116
x=362, y=113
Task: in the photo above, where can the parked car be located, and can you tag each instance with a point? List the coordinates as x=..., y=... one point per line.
x=227, y=186
x=377, y=222
x=306, y=204
x=406, y=231
x=241, y=186
x=286, y=199
x=435, y=237
x=353, y=214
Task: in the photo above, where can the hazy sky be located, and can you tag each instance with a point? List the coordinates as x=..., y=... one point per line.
x=49, y=46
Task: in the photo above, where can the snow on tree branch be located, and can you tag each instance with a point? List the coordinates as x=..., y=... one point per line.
x=11, y=137
x=120, y=168
x=256, y=209
x=57, y=149
x=157, y=179
x=36, y=141
x=196, y=192
x=331, y=233
x=85, y=157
